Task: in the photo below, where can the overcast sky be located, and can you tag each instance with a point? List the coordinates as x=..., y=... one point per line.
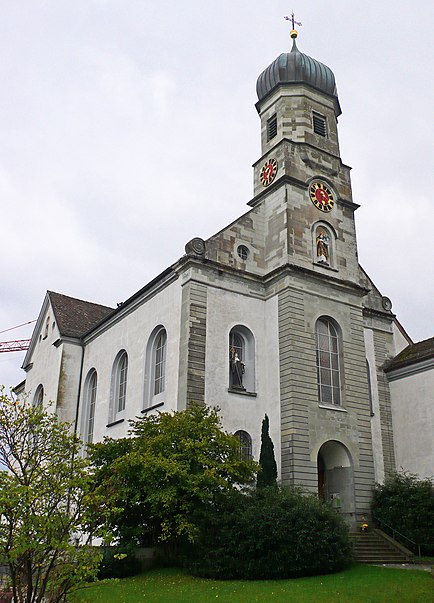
x=128, y=127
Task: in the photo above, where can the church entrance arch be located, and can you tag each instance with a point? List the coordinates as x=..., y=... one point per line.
x=336, y=477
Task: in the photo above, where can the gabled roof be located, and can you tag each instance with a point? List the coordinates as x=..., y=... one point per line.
x=76, y=317
x=412, y=354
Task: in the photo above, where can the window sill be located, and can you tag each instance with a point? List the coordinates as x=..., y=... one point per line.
x=115, y=422
x=153, y=407
x=332, y=407
x=241, y=392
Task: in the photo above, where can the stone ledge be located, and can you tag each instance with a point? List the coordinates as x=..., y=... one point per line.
x=115, y=422
x=153, y=407
x=332, y=407
x=241, y=392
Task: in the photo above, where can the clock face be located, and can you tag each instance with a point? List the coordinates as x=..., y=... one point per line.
x=268, y=172
x=321, y=196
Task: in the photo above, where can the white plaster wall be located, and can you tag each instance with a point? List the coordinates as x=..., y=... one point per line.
x=131, y=333
x=46, y=360
x=412, y=400
x=377, y=442
x=225, y=310
x=69, y=382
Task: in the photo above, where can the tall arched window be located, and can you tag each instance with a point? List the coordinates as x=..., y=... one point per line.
x=91, y=385
x=245, y=449
x=121, y=383
x=119, y=386
x=328, y=362
x=241, y=359
x=38, y=398
x=155, y=368
x=160, y=362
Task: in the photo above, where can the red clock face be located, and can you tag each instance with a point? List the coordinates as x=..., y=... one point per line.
x=268, y=172
x=321, y=196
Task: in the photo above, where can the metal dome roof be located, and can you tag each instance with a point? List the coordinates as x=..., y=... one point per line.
x=296, y=68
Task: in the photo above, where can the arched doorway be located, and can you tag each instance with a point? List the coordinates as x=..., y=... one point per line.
x=335, y=476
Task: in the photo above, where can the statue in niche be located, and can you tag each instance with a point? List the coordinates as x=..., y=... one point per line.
x=322, y=247
x=237, y=369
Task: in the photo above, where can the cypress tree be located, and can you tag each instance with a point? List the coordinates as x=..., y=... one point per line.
x=268, y=472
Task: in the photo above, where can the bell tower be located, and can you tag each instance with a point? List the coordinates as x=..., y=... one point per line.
x=301, y=166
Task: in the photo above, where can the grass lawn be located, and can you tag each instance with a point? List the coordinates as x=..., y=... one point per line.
x=360, y=584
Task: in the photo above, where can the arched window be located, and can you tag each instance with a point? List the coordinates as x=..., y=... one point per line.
x=91, y=385
x=245, y=449
x=155, y=369
x=160, y=362
x=119, y=386
x=38, y=398
x=328, y=362
x=241, y=359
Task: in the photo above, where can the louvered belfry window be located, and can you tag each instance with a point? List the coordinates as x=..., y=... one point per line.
x=272, y=127
x=319, y=124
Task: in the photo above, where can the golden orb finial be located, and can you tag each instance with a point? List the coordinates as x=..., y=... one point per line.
x=293, y=33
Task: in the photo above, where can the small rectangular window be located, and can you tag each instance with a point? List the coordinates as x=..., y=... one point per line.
x=319, y=124
x=272, y=127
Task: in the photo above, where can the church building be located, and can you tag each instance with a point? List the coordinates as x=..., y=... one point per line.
x=271, y=315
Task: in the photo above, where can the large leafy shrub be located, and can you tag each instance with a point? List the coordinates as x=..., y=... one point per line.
x=271, y=533
x=406, y=503
x=149, y=487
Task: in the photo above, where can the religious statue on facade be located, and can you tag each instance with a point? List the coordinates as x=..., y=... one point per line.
x=237, y=369
x=322, y=247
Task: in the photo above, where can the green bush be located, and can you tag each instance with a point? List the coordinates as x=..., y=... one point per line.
x=268, y=534
x=406, y=503
x=118, y=562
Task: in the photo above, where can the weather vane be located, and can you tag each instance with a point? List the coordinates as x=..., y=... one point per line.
x=293, y=33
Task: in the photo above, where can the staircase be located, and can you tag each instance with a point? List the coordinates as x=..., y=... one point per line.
x=375, y=546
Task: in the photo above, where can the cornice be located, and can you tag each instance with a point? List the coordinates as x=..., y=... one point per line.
x=416, y=367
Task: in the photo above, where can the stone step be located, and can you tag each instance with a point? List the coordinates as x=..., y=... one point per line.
x=376, y=547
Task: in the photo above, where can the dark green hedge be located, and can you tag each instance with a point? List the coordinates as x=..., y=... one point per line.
x=269, y=534
x=406, y=503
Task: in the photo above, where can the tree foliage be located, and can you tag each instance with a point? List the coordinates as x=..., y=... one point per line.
x=267, y=474
x=173, y=465
x=269, y=534
x=406, y=503
x=43, y=491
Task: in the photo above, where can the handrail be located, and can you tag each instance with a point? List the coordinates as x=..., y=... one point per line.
x=395, y=531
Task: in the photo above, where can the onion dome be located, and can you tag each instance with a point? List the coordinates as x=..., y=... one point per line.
x=297, y=68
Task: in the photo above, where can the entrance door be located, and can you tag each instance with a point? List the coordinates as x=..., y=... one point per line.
x=335, y=476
